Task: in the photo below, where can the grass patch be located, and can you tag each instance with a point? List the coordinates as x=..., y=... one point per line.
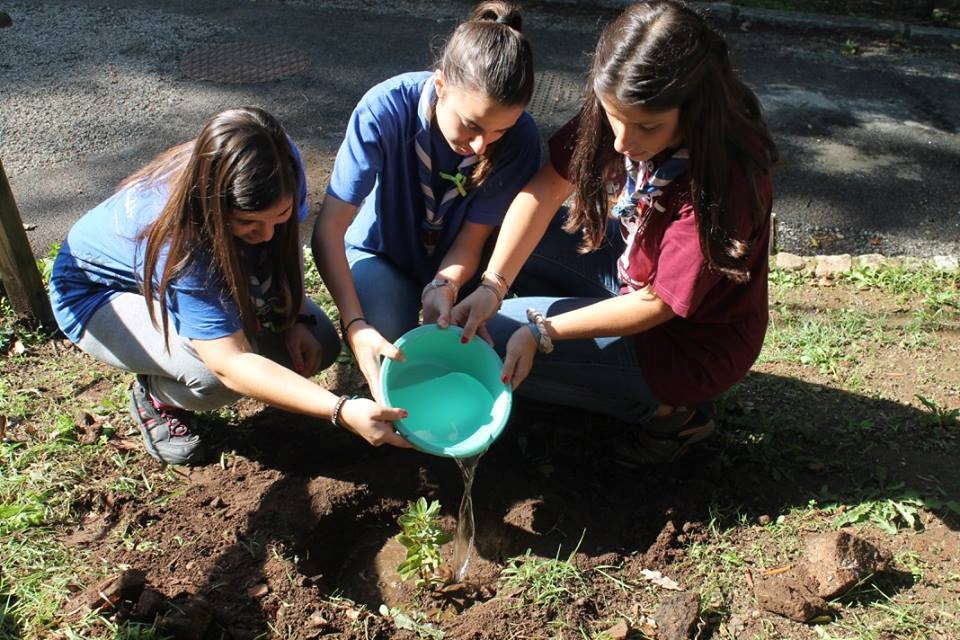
x=549, y=583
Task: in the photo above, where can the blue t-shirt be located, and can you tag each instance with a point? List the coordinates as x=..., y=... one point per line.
x=101, y=258
x=377, y=169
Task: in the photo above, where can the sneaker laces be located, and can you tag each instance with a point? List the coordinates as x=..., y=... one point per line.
x=176, y=418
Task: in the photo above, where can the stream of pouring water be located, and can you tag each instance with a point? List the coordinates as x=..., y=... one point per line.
x=463, y=541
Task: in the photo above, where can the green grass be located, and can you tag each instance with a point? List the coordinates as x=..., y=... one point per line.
x=837, y=341
x=545, y=582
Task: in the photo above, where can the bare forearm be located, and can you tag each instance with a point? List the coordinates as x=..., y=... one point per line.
x=526, y=221
x=461, y=261
x=621, y=316
x=248, y=373
x=331, y=258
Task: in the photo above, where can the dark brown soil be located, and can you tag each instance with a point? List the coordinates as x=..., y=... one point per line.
x=289, y=530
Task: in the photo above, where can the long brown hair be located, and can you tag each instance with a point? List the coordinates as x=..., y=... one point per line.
x=489, y=54
x=659, y=55
x=241, y=161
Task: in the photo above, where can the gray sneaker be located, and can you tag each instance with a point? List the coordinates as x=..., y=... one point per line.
x=165, y=429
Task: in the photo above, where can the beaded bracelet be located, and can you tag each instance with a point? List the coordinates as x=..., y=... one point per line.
x=337, y=408
x=544, y=343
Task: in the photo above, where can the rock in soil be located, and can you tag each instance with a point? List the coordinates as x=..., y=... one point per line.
x=790, y=595
x=150, y=603
x=188, y=619
x=677, y=616
x=838, y=560
x=109, y=593
x=619, y=631
x=662, y=551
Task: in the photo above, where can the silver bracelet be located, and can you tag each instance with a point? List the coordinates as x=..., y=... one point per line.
x=436, y=283
x=496, y=293
x=544, y=343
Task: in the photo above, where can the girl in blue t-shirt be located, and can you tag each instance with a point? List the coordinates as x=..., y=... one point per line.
x=429, y=164
x=208, y=233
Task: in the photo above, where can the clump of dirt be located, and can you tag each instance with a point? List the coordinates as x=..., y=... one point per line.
x=834, y=563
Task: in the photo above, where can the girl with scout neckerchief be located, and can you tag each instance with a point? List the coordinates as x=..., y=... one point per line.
x=191, y=277
x=429, y=165
x=665, y=304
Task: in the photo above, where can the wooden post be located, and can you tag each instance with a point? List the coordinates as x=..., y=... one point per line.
x=18, y=268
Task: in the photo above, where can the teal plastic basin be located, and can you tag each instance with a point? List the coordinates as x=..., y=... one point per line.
x=456, y=403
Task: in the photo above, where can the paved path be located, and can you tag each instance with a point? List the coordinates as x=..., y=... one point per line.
x=90, y=90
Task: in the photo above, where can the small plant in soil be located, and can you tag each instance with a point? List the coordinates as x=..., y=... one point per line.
x=422, y=536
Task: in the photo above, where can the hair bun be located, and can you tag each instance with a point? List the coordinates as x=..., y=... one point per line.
x=499, y=11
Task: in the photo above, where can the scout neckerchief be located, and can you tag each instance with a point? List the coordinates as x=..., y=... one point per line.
x=271, y=303
x=436, y=213
x=644, y=188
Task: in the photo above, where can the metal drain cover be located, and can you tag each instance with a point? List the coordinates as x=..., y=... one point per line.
x=555, y=99
x=242, y=62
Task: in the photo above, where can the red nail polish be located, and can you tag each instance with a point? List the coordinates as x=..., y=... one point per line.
x=463, y=340
x=404, y=414
x=504, y=379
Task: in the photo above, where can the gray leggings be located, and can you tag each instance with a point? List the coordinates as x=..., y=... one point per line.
x=121, y=334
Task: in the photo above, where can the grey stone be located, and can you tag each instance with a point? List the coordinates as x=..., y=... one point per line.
x=677, y=616
x=830, y=266
x=790, y=262
x=933, y=35
x=871, y=261
x=820, y=22
x=717, y=12
x=946, y=263
x=912, y=262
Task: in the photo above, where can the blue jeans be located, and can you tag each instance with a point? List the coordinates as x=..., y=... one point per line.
x=600, y=375
x=390, y=298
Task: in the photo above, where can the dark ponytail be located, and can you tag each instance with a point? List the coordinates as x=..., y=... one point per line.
x=660, y=55
x=489, y=54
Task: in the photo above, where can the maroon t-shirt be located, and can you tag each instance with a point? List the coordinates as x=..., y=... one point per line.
x=719, y=326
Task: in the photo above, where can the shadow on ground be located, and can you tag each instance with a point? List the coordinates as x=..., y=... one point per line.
x=557, y=476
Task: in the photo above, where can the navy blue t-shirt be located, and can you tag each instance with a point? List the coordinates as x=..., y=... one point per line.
x=377, y=169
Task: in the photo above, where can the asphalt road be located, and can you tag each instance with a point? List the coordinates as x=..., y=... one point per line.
x=91, y=90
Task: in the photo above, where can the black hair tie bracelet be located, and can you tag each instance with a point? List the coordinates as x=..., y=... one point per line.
x=346, y=327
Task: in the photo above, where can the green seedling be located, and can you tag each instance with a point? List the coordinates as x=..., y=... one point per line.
x=940, y=416
x=414, y=623
x=422, y=536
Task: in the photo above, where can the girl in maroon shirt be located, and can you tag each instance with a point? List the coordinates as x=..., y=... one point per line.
x=663, y=305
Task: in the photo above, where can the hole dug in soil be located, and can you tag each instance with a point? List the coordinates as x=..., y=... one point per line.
x=353, y=549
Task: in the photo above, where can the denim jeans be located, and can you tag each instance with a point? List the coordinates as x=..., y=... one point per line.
x=390, y=298
x=600, y=375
